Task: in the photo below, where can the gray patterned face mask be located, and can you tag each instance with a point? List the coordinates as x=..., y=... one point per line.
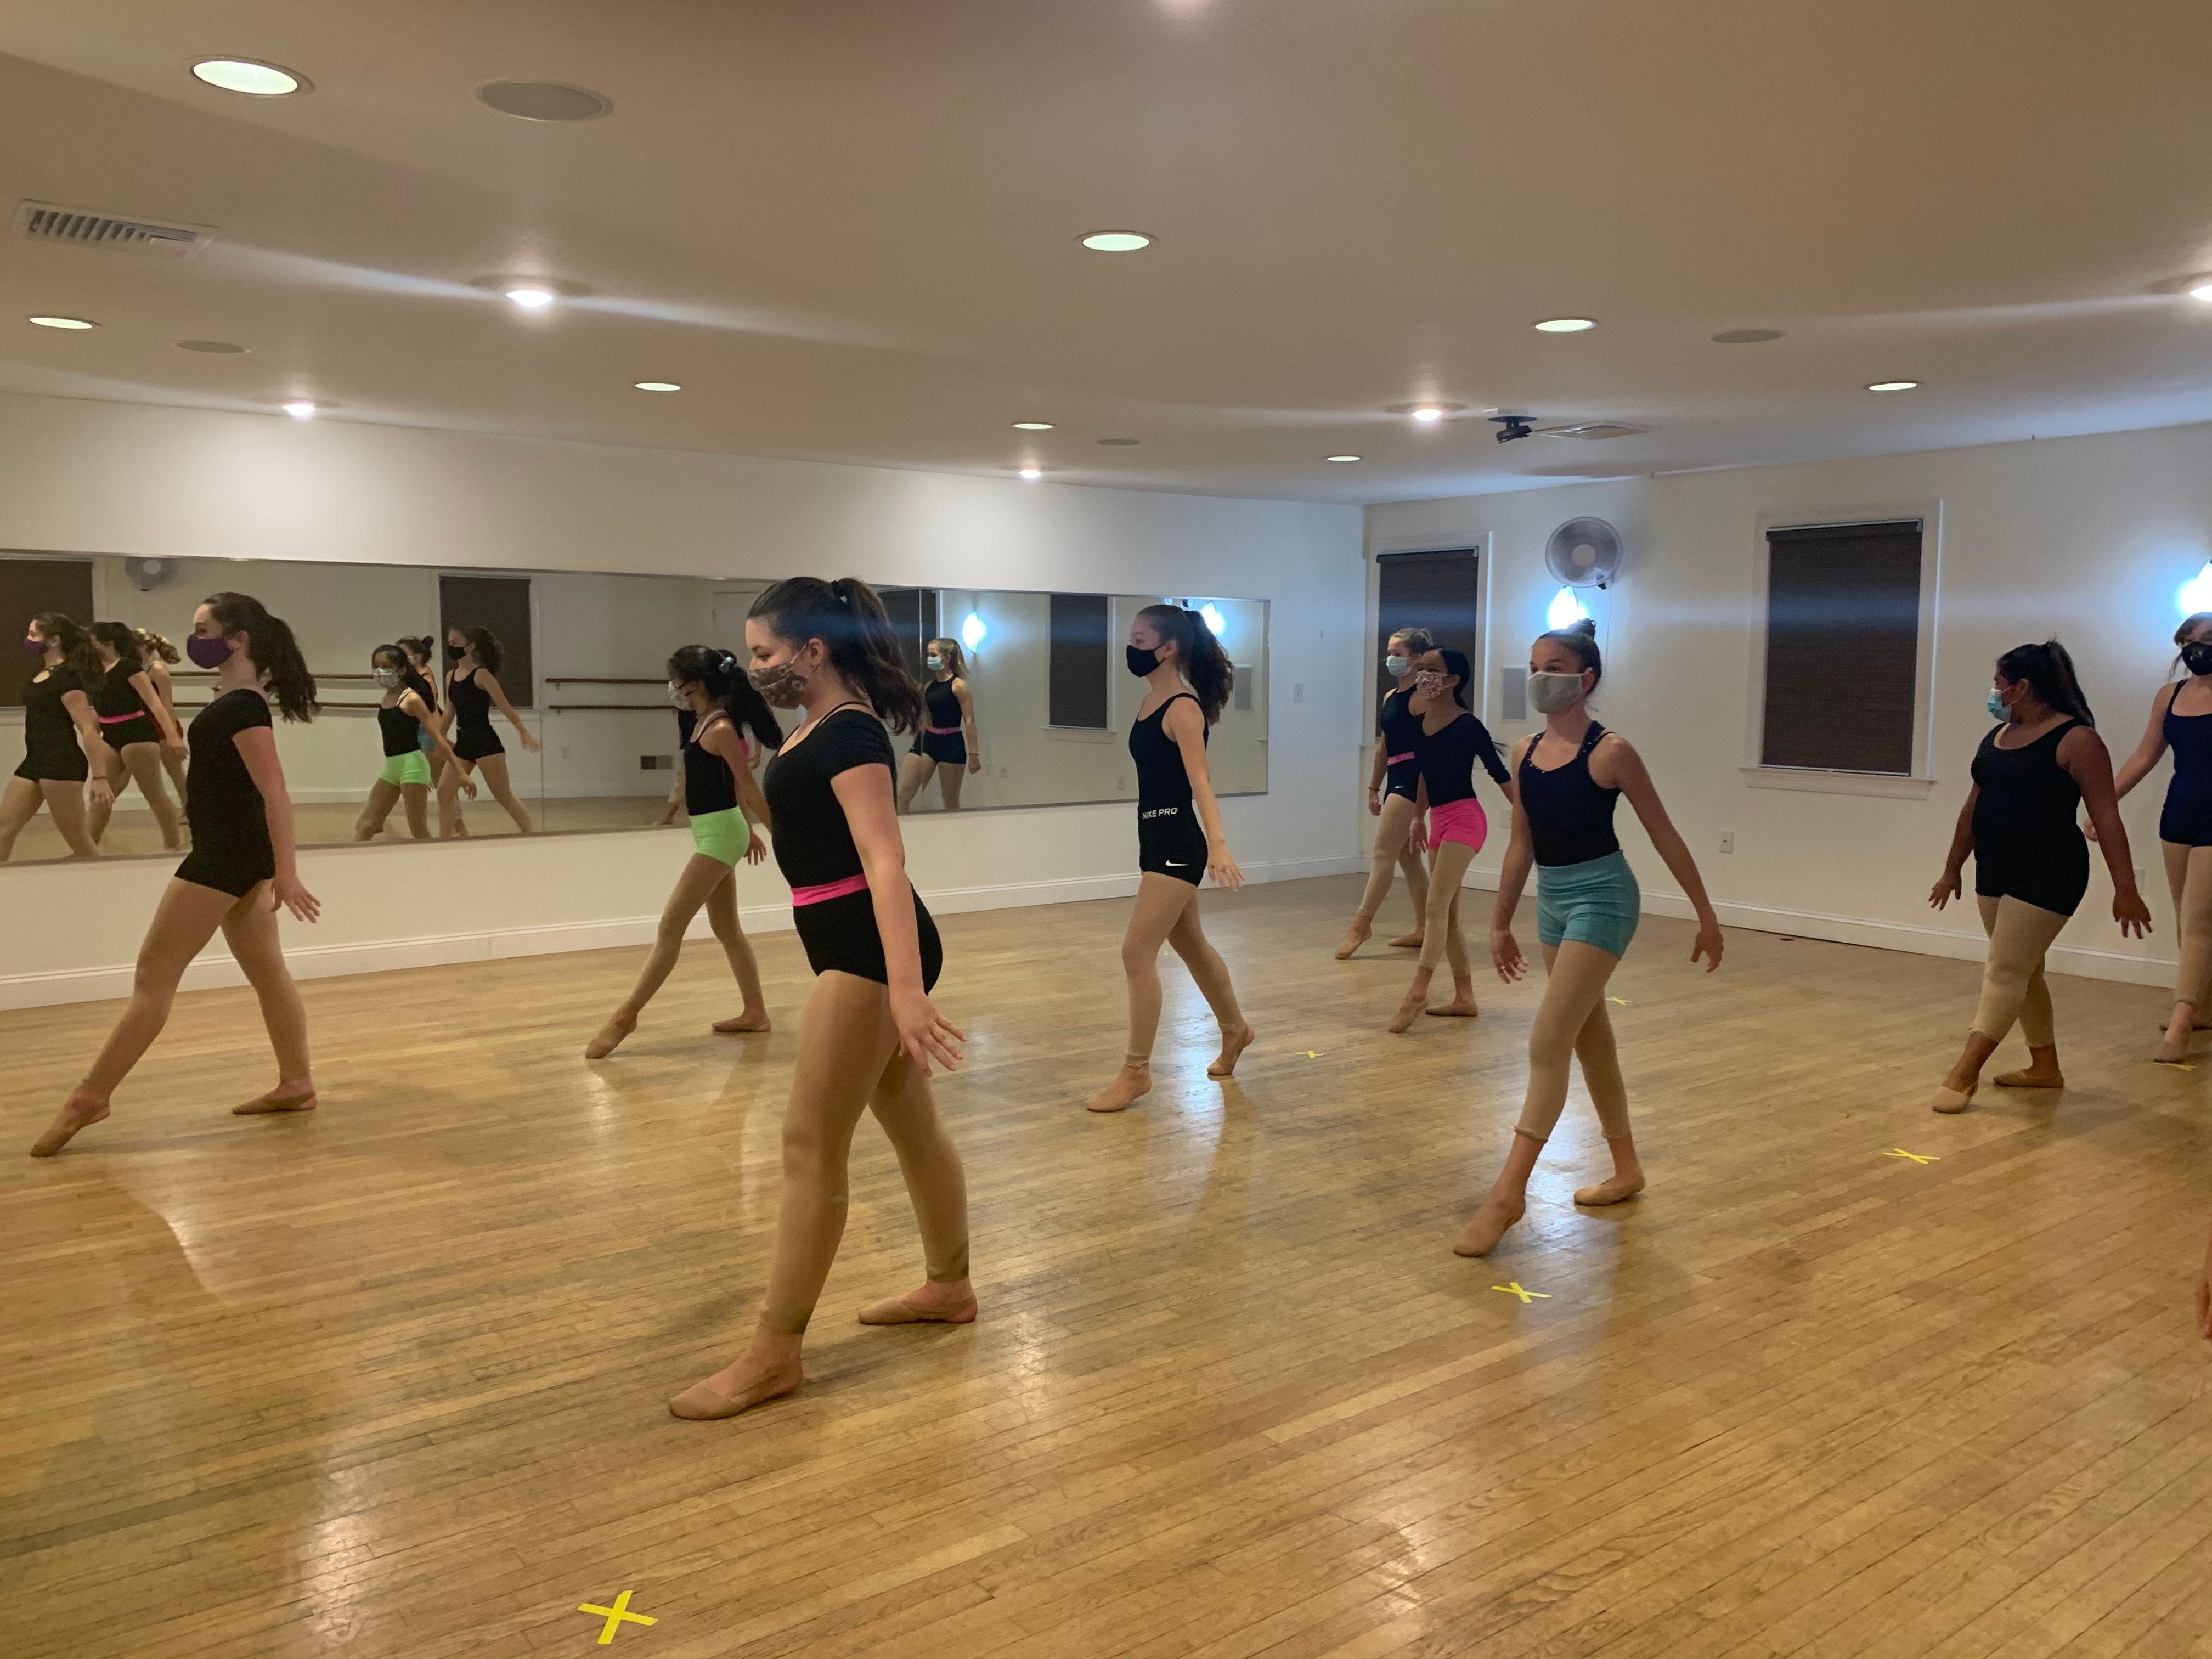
x=781, y=686
x=1550, y=693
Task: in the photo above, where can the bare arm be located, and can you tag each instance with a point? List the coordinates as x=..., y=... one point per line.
x=1616, y=764
x=1962, y=845
x=413, y=703
x=490, y=682
x=722, y=740
x=164, y=716
x=2089, y=764
x=966, y=700
x=1186, y=725
x=97, y=755
x=865, y=792
x=257, y=747
x=2137, y=766
x=1512, y=877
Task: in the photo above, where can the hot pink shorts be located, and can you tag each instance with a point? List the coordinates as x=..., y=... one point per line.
x=1462, y=821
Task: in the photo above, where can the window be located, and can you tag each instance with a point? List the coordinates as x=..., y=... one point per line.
x=1842, y=609
x=914, y=615
x=501, y=603
x=28, y=586
x=1080, y=629
x=1435, y=590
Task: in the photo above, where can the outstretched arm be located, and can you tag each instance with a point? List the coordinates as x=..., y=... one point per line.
x=490, y=682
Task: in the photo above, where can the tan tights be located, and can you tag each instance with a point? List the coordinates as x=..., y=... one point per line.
x=139, y=764
x=712, y=884
x=1440, y=935
x=1392, y=851
x=2188, y=874
x=849, y=1062
x=1167, y=914
x=1571, y=1025
x=2013, y=987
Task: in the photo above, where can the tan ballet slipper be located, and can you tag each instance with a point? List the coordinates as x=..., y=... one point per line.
x=896, y=1311
x=1951, y=1100
x=702, y=1404
x=1131, y=1085
x=617, y=1030
x=65, y=1125
x=1233, y=1047
x=298, y=1101
x=1485, y=1229
x=1358, y=934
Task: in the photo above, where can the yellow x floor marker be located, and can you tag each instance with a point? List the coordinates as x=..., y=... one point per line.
x=1527, y=1297
x=1899, y=1152
x=615, y=1617
x=2174, y=1065
x=1313, y=1054
x=1623, y=1001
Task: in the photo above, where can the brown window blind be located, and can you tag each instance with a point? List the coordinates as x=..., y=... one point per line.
x=1842, y=646
x=913, y=613
x=1077, y=679
x=28, y=586
x=503, y=605
x=1436, y=591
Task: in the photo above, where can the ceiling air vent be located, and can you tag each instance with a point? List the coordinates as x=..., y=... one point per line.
x=42, y=221
x=1594, y=430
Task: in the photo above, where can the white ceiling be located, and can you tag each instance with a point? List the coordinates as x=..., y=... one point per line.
x=848, y=226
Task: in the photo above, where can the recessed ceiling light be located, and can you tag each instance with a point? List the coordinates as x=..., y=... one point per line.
x=1341, y=458
x=530, y=296
x=1427, y=414
x=2201, y=291
x=1565, y=326
x=1116, y=241
x=657, y=385
x=544, y=101
x=1746, y=336
x=1892, y=386
x=301, y=409
x=1032, y=473
x=1121, y=443
x=62, y=322
x=251, y=76
x=1032, y=426
x=213, y=347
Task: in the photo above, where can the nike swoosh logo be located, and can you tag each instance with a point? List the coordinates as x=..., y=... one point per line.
x=1172, y=865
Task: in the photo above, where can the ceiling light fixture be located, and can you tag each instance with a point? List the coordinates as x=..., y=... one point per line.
x=1427, y=414
x=544, y=101
x=62, y=322
x=1121, y=443
x=213, y=348
x=1893, y=385
x=2201, y=291
x=251, y=76
x=1565, y=326
x=1340, y=458
x=1032, y=426
x=1116, y=241
x=1032, y=473
x=1746, y=336
x=530, y=296
x=301, y=409
x=657, y=385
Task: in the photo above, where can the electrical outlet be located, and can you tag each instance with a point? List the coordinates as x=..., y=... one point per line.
x=1728, y=840
x=1298, y=691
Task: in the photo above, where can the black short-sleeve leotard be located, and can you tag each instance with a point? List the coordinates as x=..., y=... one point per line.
x=814, y=846
x=231, y=850
x=943, y=703
x=124, y=717
x=472, y=737
x=1170, y=840
x=1399, y=728
x=50, y=745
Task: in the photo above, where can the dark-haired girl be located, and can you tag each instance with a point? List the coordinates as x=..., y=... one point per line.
x=242, y=866
x=870, y=1030
x=157, y=654
x=421, y=654
x=1569, y=777
x=1187, y=678
x=137, y=725
x=1394, y=799
x=946, y=746
x=2032, y=775
x=472, y=687
x=2180, y=719
x=62, y=744
x=725, y=805
x=1448, y=743
x=403, y=722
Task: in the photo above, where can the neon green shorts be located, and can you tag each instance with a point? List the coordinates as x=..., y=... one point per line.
x=724, y=835
x=413, y=767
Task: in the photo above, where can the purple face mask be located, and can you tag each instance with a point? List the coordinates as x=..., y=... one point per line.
x=207, y=653
x=37, y=646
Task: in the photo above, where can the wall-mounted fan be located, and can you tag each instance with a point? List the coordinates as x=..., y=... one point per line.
x=1585, y=553
x=147, y=574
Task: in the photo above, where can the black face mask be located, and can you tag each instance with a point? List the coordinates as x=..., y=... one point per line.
x=2196, y=656
x=456, y=652
x=1141, y=663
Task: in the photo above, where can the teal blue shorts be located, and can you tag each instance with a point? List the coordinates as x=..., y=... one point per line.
x=1594, y=903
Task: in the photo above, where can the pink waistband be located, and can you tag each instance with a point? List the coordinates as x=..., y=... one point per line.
x=117, y=720
x=942, y=730
x=1400, y=760
x=828, y=889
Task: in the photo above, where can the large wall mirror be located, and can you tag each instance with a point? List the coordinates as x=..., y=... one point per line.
x=1030, y=703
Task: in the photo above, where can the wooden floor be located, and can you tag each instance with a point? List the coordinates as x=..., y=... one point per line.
x=390, y=1380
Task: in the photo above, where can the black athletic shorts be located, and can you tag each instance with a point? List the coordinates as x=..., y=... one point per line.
x=1170, y=844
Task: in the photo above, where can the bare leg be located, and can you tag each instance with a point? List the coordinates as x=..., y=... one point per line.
x=1160, y=904
x=382, y=798
x=20, y=800
x=250, y=928
x=173, y=764
x=65, y=800
x=143, y=761
x=914, y=771
x=698, y=877
x=2189, y=873
x=449, y=801
x=417, y=798
x=184, y=922
x=948, y=783
x=96, y=814
x=1389, y=848
x=1188, y=938
x=494, y=770
x=1440, y=936
x=722, y=917
x=938, y=1189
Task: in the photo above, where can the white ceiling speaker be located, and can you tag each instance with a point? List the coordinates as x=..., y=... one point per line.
x=147, y=574
x=1585, y=553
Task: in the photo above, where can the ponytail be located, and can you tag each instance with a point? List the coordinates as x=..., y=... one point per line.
x=2049, y=672
x=849, y=620
x=410, y=677
x=1199, y=655
x=484, y=647
x=268, y=641
x=948, y=653
x=1455, y=663
x=77, y=654
x=151, y=644
x=727, y=684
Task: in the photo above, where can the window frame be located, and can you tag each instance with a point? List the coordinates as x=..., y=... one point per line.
x=1105, y=728
x=1482, y=545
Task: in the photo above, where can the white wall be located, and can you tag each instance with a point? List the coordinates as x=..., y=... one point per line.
x=2085, y=538
x=85, y=476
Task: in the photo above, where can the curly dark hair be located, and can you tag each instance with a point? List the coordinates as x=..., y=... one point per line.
x=849, y=620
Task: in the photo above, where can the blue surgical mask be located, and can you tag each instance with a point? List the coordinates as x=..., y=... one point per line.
x=933, y=663
x=1395, y=667
x=1996, y=707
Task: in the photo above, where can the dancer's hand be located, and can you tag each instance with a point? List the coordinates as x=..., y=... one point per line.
x=1374, y=802
x=2090, y=830
x=1223, y=868
x=2132, y=913
x=1710, y=944
x=975, y=763
x=530, y=745
x=1505, y=953
x=285, y=893
x=923, y=1031
x=1417, y=835
x=1945, y=889
x=756, y=848
x=101, y=791
x=177, y=745
x=468, y=788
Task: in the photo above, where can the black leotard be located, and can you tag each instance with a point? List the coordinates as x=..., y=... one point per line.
x=1570, y=812
x=708, y=784
x=814, y=846
x=2186, y=818
x=231, y=849
x=401, y=731
x=1446, y=759
x=50, y=745
x=2027, y=842
x=1170, y=840
x=124, y=717
x=1398, y=725
x=949, y=748
x=473, y=738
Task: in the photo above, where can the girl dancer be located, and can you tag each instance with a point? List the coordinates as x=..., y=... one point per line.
x=2180, y=719
x=157, y=654
x=1569, y=777
x=869, y=1031
x=724, y=803
x=1393, y=789
x=404, y=720
x=1180, y=839
x=1448, y=741
x=138, y=727
x=62, y=744
x=945, y=744
x=472, y=687
x=2031, y=776
x=241, y=868
x=421, y=654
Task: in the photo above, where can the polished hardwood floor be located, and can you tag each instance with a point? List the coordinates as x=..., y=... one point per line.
x=389, y=1379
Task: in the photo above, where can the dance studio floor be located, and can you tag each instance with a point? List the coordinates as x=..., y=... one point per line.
x=390, y=1379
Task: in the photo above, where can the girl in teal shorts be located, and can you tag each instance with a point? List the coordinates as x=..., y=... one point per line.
x=405, y=723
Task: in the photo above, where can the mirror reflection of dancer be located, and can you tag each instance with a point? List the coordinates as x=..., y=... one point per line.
x=403, y=721
x=62, y=744
x=2032, y=775
x=157, y=654
x=421, y=652
x=946, y=746
x=2180, y=719
x=136, y=727
x=1394, y=800
x=471, y=687
x=1569, y=777
x=870, y=1030
x=241, y=868
x=1447, y=743
x=725, y=805
x=1180, y=839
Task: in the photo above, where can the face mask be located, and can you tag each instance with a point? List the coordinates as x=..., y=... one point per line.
x=1395, y=667
x=387, y=677
x=782, y=686
x=1431, y=686
x=207, y=653
x=1551, y=693
x=1141, y=663
x=456, y=652
x=933, y=664
x=39, y=646
x=676, y=695
x=2196, y=656
x=1995, y=705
